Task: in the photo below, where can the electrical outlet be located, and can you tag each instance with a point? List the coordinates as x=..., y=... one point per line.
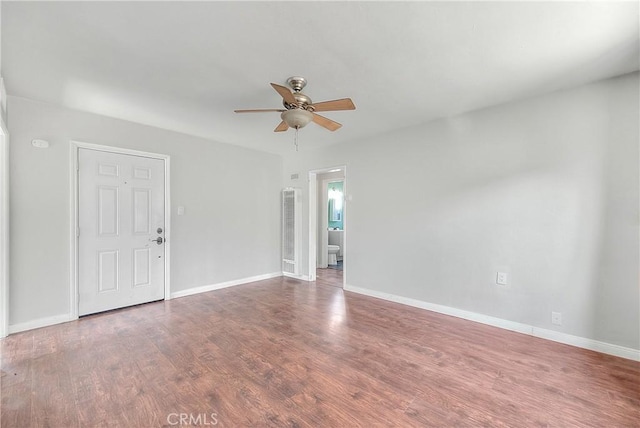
x=556, y=318
x=502, y=278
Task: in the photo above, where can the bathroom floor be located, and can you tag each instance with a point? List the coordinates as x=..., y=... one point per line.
x=338, y=266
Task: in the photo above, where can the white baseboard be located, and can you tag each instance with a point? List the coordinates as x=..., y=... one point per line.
x=211, y=287
x=40, y=322
x=300, y=277
x=58, y=319
x=583, y=342
x=568, y=339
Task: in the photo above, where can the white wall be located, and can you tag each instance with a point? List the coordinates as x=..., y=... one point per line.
x=4, y=229
x=1, y=37
x=4, y=198
x=545, y=189
x=3, y=94
x=230, y=230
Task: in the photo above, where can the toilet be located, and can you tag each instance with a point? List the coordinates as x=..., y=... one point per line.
x=333, y=254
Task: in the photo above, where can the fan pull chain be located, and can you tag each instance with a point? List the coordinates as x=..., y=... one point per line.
x=295, y=139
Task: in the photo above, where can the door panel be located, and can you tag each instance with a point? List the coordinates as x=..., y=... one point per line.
x=141, y=211
x=107, y=271
x=107, y=211
x=121, y=207
x=141, y=267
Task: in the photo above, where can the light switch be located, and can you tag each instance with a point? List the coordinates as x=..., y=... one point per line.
x=502, y=278
x=181, y=210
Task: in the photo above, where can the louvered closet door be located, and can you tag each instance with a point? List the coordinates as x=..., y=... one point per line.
x=121, y=210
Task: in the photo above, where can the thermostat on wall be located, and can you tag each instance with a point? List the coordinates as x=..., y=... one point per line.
x=41, y=144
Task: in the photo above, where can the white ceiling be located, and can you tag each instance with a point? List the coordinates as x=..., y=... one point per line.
x=187, y=66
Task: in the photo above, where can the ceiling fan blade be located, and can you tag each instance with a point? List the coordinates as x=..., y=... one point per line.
x=334, y=105
x=260, y=110
x=327, y=123
x=285, y=93
x=282, y=127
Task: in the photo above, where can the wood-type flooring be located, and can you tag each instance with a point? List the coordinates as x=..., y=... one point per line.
x=283, y=352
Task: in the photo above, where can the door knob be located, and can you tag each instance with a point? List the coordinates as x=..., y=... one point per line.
x=159, y=240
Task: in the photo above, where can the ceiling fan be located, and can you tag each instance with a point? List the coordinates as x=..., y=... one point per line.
x=299, y=110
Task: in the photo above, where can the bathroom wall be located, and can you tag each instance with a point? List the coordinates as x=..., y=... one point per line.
x=545, y=189
x=333, y=224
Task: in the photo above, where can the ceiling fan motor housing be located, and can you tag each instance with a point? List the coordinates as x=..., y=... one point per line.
x=302, y=101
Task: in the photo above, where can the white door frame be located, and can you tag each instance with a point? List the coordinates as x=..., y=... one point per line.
x=4, y=229
x=313, y=225
x=74, y=214
x=313, y=221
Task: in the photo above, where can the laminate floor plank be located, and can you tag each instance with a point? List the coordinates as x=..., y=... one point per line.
x=282, y=352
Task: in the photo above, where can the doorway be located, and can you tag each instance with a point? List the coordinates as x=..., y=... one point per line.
x=121, y=222
x=328, y=211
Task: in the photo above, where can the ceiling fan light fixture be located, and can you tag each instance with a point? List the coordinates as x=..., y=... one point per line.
x=300, y=110
x=297, y=118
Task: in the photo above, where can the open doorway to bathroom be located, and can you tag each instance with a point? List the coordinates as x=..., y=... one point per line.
x=335, y=229
x=327, y=226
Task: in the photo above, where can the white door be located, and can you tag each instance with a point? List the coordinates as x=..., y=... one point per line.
x=121, y=220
